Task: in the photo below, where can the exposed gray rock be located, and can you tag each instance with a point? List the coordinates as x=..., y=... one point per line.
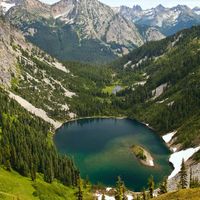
x=167, y=20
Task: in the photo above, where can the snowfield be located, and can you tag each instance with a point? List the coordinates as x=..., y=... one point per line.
x=6, y=6
x=99, y=197
x=176, y=159
x=168, y=137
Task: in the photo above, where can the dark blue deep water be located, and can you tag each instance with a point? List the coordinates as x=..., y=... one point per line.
x=101, y=150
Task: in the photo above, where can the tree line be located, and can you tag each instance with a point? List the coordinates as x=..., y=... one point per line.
x=26, y=146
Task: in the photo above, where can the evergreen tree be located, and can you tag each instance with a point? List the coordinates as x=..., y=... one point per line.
x=8, y=165
x=138, y=197
x=80, y=189
x=144, y=195
x=120, y=190
x=183, y=176
x=103, y=197
x=151, y=186
x=33, y=172
x=163, y=186
x=86, y=182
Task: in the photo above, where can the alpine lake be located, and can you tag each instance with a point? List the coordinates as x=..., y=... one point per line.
x=100, y=148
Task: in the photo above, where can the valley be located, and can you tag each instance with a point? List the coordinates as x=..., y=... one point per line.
x=123, y=78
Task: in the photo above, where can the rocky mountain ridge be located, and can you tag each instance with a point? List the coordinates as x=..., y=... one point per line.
x=90, y=22
x=25, y=70
x=167, y=20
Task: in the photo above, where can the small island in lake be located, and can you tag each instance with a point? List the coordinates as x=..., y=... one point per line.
x=142, y=155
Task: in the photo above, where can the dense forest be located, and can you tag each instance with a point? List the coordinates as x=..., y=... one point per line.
x=26, y=145
x=177, y=67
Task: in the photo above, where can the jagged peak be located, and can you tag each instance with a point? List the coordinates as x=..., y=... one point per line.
x=160, y=7
x=182, y=7
x=196, y=8
x=137, y=8
x=65, y=2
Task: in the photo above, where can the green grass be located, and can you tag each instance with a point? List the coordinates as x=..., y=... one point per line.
x=187, y=194
x=15, y=187
x=109, y=89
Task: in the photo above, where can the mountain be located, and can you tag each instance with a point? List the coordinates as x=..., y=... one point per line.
x=26, y=131
x=76, y=31
x=97, y=21
x=85, y=30
x=196, y=10
x=159, y=85
x=51, y=90
x=167, y=20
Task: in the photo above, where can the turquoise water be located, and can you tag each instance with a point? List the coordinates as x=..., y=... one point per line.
x=101, y=150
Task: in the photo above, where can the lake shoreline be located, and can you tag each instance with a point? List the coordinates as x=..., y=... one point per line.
x=128, y=143
x=93, y=117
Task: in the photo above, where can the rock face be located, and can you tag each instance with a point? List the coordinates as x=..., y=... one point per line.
x=8, y=57
x=167, y=20
x=98, y=21
x=89, y=24
x=30, y=72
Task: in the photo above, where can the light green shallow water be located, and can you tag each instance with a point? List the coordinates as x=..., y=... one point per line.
x=101, y=150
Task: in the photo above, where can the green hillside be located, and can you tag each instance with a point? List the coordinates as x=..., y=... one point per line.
x=192, y=194
x=62, y=40
x=66, y=45
x=173, y=63
x=16, y=187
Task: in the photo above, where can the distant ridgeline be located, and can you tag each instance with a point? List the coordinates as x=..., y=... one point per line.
x=26, y=145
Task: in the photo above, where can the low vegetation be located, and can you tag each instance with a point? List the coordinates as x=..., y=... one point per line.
x=16, y=187
x=192, y=194
x=139, y=152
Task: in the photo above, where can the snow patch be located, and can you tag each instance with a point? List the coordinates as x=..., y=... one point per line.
x=168, y=137
x=197, y=12
x=176, y=159
x=108, y=189
x=142, y=83
x=6, y=6
x=32, y=109
x=99, y=197
x=127, y=64
x=130, y=197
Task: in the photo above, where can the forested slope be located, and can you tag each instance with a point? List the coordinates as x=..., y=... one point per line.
x=168, y=98
x=26, y=145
